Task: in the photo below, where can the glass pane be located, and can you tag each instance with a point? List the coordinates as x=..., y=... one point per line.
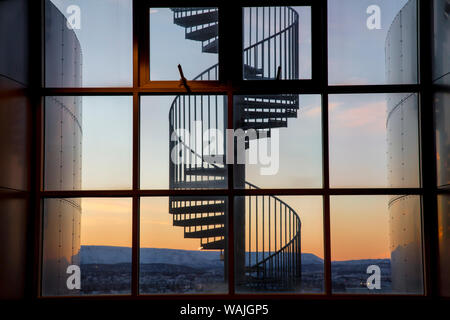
x=442, y=120
x=372, y=42
x=277, y=39
x=279, y=244
x=183, y=142
x=86, y=246
x=376, y=244
x=183, y=245
x=88, y=43
x=88, y=143
x=278, y=141
x=444, y=243
x=374, y=140
x=441, y=36
x=186, y=36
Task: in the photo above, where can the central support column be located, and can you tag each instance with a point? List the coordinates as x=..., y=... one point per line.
x=239, y=202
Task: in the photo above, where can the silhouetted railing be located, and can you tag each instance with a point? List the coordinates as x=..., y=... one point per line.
x=273, y=248
x=273, y=228
x=273, y=41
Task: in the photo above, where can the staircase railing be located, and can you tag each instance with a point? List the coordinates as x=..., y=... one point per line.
x=272, y=46
x=273, y=228
x=273, y=241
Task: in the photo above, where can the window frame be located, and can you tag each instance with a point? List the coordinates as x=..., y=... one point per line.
x=231, y=83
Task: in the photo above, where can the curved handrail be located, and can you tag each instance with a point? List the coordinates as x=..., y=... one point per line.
x=292, y=242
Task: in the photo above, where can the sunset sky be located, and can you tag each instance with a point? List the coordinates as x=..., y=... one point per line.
x=359, y=225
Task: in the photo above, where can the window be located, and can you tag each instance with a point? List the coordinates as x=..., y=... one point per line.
x=169, y=167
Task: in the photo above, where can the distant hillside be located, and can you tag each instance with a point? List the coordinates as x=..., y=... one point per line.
x=190, y=258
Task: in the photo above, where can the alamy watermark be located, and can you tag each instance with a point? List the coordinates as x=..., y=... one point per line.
x=374, y=281
x=195, y=146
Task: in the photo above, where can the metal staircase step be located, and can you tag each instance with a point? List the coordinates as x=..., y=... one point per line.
x=268, y=114
x=204, y=33
x=212, y=47
x=205, y=221
x=195, y=198
x=257, y=77
x=212, y=172
x=197, y=19
x=192, y=9
x=204, y=184
x=277, y=97
x=214, y=245
x=202, y=208
x=265, y=125
x=207, y=233
x=250, y=71
x=267, y=105
x=214, y=159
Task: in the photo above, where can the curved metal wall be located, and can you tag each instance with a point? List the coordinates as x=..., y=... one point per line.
x=403, y=152
x=63, y=146
x=441, y=47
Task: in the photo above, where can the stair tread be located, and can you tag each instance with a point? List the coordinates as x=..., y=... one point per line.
x=203, y=221
x=251, y=71
x=212, y=47
x=214, y=245
x=285, y=97
x=268, y=115
x=204, y=33
x=206, y=233
x=265, y=125
x=216, y=172
x=267, y=105
x=197, y=19
x=204, y=184
x=202, y=208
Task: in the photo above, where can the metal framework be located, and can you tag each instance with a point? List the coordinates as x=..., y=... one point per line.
x=230, y=83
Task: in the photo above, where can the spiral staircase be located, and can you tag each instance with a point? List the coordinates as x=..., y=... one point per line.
x=268, y=230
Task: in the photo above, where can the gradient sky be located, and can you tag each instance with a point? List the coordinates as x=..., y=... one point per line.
x=357, y=130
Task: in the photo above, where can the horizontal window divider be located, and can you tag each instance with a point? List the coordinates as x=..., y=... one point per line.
x=219, y=89
x=235, y=192
x=445, y=88
x=248, y=87
x=243, y=296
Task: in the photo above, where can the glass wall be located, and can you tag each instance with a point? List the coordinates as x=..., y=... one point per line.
x=86, y=246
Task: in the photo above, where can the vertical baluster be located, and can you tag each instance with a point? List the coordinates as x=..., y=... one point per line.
x=279, y=39
x=249, y=231
x=274, y=40
x=256, y=233
x=268, y=43
x=285, y=45
x=263, y=220
x=263, y=52
x=270, y=260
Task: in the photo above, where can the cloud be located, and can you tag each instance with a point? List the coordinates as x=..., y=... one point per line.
x=368, y=117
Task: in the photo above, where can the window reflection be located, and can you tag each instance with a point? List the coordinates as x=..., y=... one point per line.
x=190, y=37
x=83, y=39
x=381, y=233
x=372, y=42
x=444, y=243
x=442, y=121
x=86, y=246
x=88, y=142
x=183, y=245
x=278, y=244
x=374, y=140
